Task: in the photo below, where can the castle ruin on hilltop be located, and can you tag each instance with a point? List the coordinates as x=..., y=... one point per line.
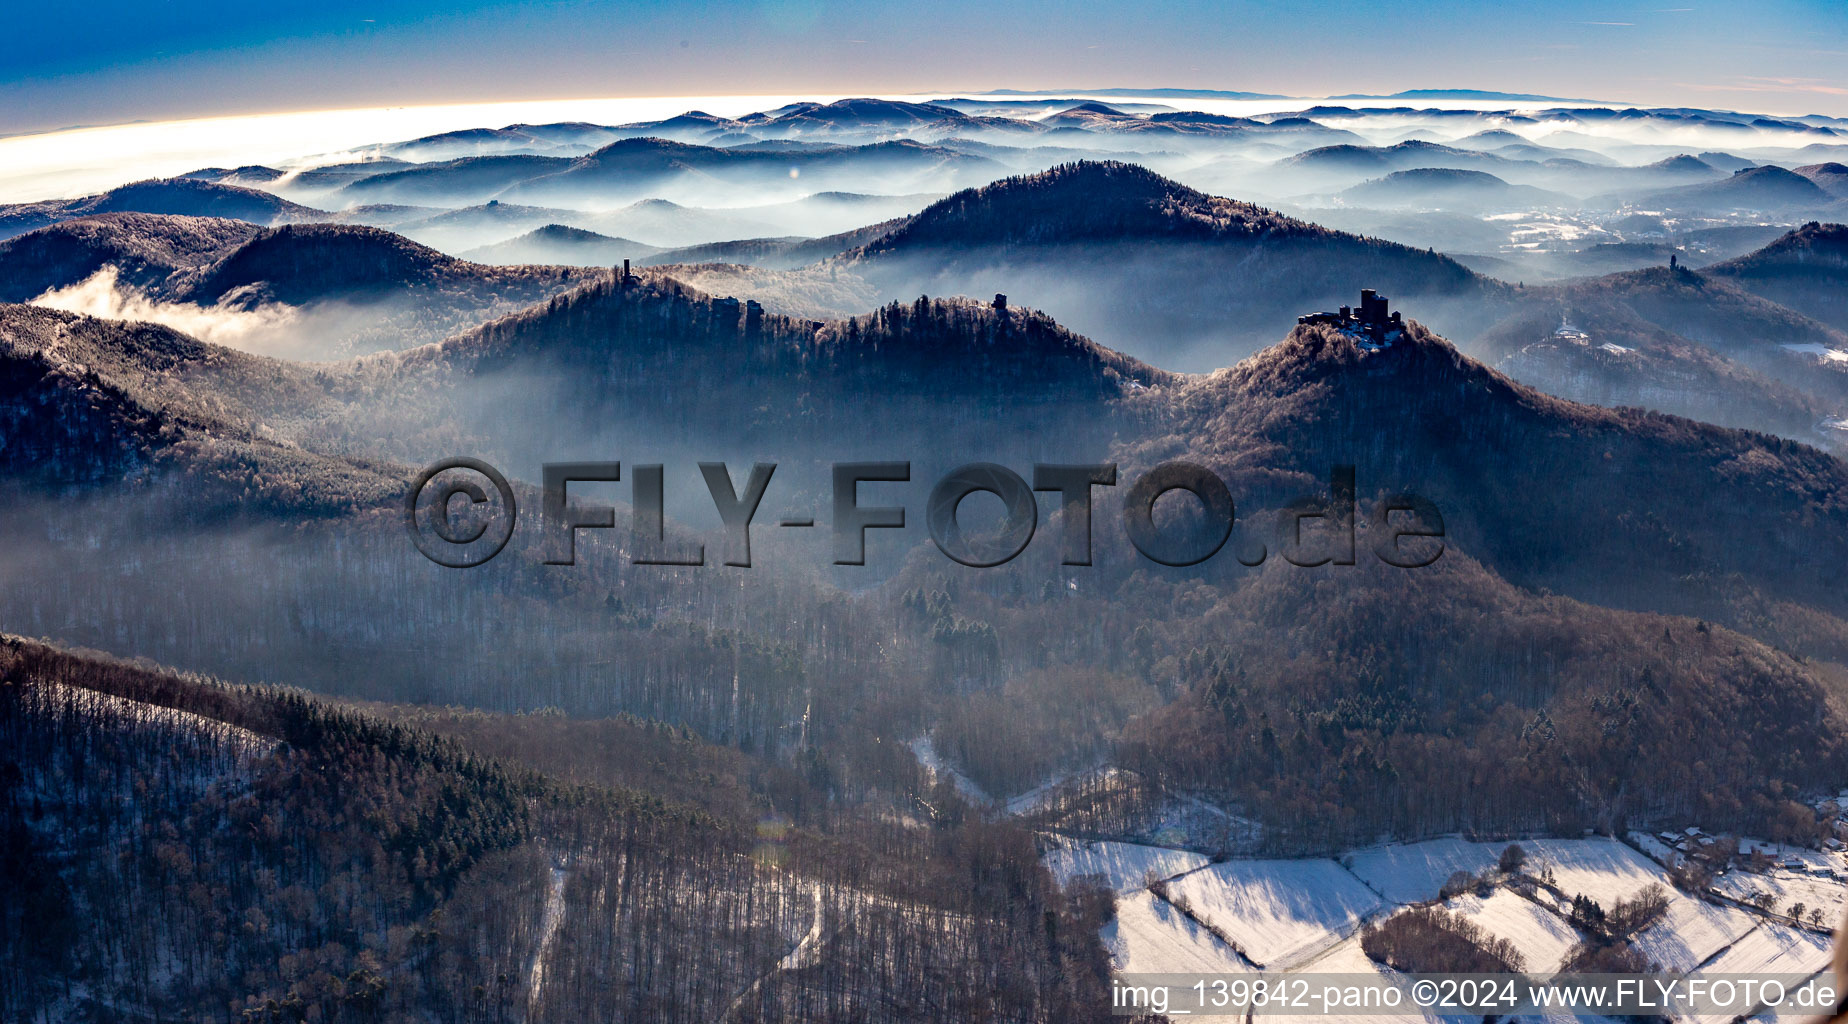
x=1370, y=323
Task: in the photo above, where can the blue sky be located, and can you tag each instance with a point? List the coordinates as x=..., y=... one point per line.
x=111, y=61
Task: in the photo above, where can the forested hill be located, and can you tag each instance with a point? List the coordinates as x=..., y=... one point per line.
x=184, y=196
x=1551, y=493
x=1112, y=204
x=146, y=249
x=95, y=401
x=1122, y=202
x=302, y=263
x=1805, y=269
x=1598, y=612
x=205, y=812
x=933, y=346
x=1146, y=265
x=468, y=887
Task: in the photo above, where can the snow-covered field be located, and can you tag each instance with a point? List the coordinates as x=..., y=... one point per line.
x=1542, y=936
x=1305, y=915
x=1790, y=888
x=1125, y=866
x=1599, y=867
x=1770, y=949
x=1278, y=910
x=1691, y=931
x=1346, y=957
x=1410, y=872
x=1773, y=949
x=1151, y=936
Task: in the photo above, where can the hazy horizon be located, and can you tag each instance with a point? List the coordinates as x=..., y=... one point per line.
x=126, y=62
x=81, y=160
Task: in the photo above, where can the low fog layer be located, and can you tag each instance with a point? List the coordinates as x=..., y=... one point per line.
x=1525, y=193
x=1614, y=366
x=268, y=329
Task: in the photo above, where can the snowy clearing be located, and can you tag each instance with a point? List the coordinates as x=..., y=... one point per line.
x=1189, y=819
x=1541, y=936
x=1770, y=949
x=1690, y=932
x=1773, y=949
x=1303, y=915
x=1789, y=888
x=1815, y=349
x=1601, y=868
x=1277, y=910
x=1346, y=957
x=1150, y=935
x=1810, y=859
x=92, y=702
x=550, y=918
x=1125, y=866
x=1414, y=872
x=1047, y=795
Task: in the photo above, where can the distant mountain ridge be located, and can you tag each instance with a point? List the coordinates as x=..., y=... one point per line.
x=1518, y=163
x=1450, y=187
x=636, y=168
x=1462, y=94
x=1190, y=94
x=779, y=253
x=185, y=196
x=558, y=244
x=1831, y=177
x=1765, y=188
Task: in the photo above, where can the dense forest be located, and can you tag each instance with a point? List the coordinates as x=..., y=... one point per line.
x=275, y=857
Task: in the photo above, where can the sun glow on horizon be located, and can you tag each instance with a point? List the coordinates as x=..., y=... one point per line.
x=80, y=161
x=72, y=162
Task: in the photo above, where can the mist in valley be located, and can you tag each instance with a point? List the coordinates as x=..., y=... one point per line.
x=1585, y=551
